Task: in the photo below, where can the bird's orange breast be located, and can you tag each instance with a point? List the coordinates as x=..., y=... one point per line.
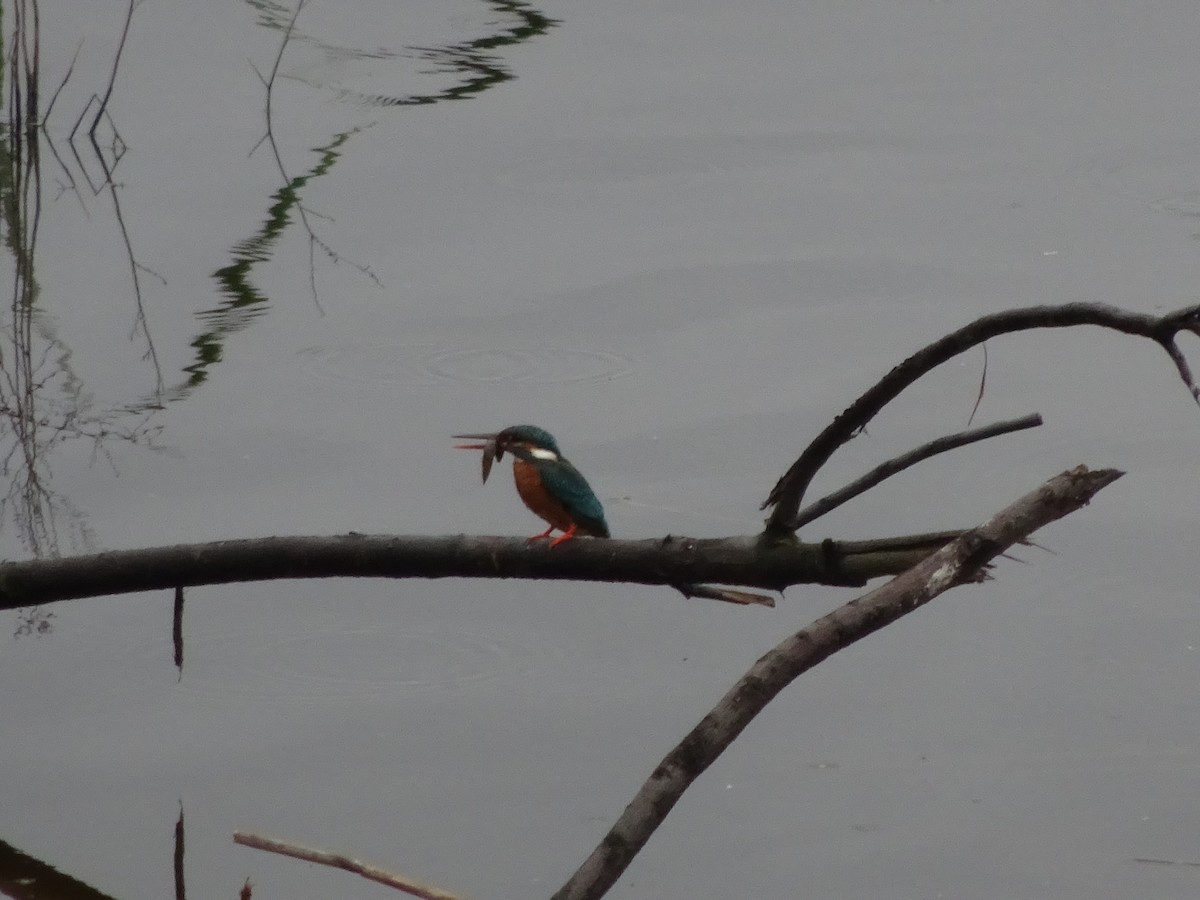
x=537, y=498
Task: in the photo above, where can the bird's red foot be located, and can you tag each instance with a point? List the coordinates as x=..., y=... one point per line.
x=567, y=535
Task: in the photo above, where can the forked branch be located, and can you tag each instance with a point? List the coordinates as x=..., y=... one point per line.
x=789, y=491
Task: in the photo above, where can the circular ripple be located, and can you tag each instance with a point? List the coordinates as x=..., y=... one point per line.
x=1162, y=179
x=339, y=665
x=389, y=365
x=546, y=365
x=1186, y=204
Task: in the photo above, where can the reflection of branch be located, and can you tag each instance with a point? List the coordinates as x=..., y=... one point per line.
x=139, y=322
x=112, y=78
x=269, y=135
x=42, y=401
x=476, y=66
x=269, y=81
x=959, y=563
x=790, y=489
x=244, y=301
x=62, y=84
x=140, y=325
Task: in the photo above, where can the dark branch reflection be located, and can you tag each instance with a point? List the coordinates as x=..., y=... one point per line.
x=474, y=67
x=43, y=401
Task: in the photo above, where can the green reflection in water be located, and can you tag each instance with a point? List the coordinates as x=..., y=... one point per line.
x=245, y=301
x=477, y=70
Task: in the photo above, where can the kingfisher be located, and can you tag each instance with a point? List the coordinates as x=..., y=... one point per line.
x=549, y=485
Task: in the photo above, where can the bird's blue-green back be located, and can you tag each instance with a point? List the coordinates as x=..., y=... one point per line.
x=563, y=481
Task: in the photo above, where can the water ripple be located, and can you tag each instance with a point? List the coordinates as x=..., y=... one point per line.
x=387, y=364
x=338, y=664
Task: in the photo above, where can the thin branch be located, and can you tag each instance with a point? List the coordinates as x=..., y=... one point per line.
x=789, y=491
x=982, y=386
x=911, y=458
x=958, y=563
x=725, y=595
x=338, y=861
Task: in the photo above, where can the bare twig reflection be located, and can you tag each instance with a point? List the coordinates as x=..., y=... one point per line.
x=269, y=136
x=473, y=64
x=109, y=157
x=43, y=403
x=476, y=70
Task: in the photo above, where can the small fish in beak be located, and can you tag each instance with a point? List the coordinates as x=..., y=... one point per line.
x=491, y=451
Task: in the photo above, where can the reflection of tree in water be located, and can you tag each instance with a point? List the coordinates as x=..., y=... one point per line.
x=475, y=69
x=43, y=403
x=473, y=64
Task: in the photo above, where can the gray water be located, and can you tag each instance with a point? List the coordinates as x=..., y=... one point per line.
x=681, y=237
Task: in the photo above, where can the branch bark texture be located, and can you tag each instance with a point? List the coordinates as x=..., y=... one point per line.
x=750, y=561
x=962, y=561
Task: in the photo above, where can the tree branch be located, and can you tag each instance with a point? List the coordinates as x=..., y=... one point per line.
x=789, y=491
x=911, y=458
x=752, y=561
x=960, y=562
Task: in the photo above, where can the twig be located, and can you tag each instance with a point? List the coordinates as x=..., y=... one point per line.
x=726, y=595
x=911, y=458
x=338, y=861
x=789, y=491
x=982, y=386
x=957, y=563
